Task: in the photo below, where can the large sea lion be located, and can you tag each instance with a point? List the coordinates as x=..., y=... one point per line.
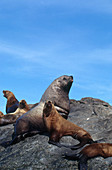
x=58, y=127
x=12, y=102
x=12, y=117
x=32, y=121
x=1, y=114
x=91, y=151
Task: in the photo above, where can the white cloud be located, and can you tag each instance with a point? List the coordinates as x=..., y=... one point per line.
x=57, y=54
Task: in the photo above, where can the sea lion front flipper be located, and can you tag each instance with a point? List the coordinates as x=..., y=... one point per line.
x=59, y=109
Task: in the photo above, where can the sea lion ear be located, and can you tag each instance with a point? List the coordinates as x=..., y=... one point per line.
x=71, y=78
x=4, y=91
x=23, y=101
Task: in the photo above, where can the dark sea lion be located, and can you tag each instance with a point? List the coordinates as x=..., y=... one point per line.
x=32, y=121
x=91, y=151
x=58, y=92
x=12, y=102
x=58, y=127
x=12, y=117
x=1, y=114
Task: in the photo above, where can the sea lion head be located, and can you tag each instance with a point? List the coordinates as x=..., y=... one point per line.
x=47, y=108
x=64, y=82
x=58, y=93
x=7, y=93
x=1, y=114
x=22, y=104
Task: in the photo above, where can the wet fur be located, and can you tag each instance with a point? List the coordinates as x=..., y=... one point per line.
x=58, y=127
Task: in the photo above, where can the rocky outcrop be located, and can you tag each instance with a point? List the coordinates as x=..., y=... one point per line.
x=93, y=115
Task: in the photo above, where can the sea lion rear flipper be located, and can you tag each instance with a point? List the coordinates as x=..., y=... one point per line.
x=70, y=155
x=5, y=144
x=59, y=144
x=80, y=145
x=82, y=159
x=74, y=147
x=83, y=163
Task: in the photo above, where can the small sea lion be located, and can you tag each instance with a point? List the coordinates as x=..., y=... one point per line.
x=12, y=117
x=1, y=114
x=58, y=127
x=12, y=102
x=32, y=121
x=91, y=151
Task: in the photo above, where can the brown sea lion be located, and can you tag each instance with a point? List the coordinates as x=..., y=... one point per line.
x=12, y=117
x=91, y=151
x=32, y=121
x=58, y=127
x=12, y=102
x=1, y=114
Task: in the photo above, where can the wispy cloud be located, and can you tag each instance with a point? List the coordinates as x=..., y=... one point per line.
x=55, y=54
x=19, y=52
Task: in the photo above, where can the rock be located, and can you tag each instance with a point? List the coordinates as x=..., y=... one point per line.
x=93, y=115
x=31, y=106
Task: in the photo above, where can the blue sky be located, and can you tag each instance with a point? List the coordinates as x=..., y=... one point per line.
x=42, y=40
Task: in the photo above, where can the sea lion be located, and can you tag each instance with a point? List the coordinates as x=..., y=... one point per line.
x=12, y=117
x=12, y=102
x=1, y=114
x=91, y=151
x=32, y=121
x=58, y=92
x=58, y=127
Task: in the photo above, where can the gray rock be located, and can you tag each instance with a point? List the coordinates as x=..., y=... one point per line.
x=93, y=115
